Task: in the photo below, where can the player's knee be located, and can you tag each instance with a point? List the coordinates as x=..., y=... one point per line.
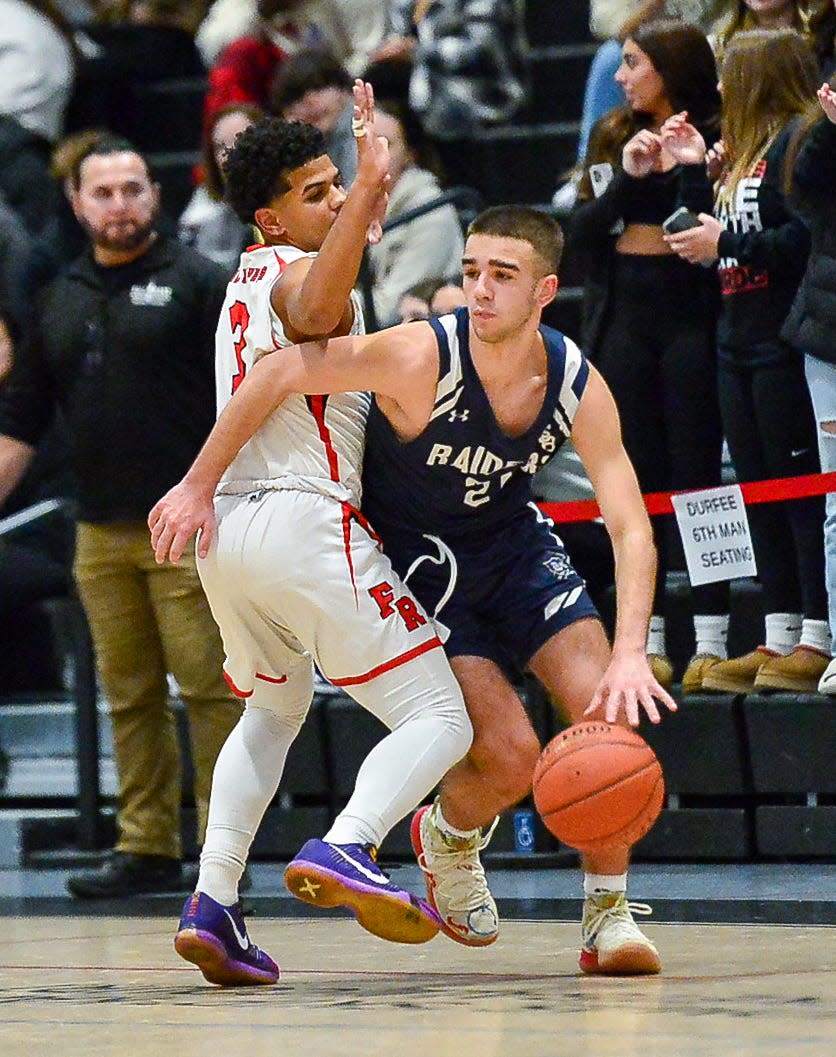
x=288, y=698
x=507, y=757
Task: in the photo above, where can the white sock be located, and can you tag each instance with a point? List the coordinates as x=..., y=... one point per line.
x=656, y=636
x=422, y=706
x=598, y=884
x=451, y=831
x=816, y=635
x=711, y=632
x=246, y=776
x=783, y=632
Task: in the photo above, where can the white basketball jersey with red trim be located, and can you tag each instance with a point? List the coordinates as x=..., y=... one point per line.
x=313, y=443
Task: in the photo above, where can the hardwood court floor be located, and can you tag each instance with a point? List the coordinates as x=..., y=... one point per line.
x=113, y=987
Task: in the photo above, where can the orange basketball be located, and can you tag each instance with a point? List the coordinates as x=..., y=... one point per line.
x=598, y=785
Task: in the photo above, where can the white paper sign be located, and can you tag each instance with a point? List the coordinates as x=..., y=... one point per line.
x=715, y=534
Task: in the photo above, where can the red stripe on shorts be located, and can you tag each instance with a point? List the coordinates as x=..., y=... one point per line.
x=234, y=688
x=271, y=678
x=387, y=666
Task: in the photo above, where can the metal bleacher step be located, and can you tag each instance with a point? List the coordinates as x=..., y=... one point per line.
x=42, y=727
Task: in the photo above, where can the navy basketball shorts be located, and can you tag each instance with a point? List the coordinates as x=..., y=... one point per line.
x=502, y=594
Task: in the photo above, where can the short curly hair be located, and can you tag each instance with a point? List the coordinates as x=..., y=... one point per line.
x=256, y=167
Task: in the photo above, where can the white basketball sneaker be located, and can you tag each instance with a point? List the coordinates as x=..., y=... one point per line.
x=827, y=683
x=613, y=944
x=455, y=879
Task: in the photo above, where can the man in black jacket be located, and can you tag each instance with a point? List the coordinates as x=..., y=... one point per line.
x=124, y=345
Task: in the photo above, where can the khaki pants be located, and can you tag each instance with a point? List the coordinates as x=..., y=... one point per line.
x=148, y=620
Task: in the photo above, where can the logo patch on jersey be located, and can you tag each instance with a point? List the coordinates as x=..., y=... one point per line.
x=563, y=601
x=559, y=566
x=459, y=416
x=150, y=296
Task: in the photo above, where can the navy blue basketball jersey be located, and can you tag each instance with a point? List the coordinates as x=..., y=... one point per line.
x=463, y=473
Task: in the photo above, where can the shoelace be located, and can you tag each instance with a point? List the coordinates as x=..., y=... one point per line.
x=618, y=918
x=466, y=890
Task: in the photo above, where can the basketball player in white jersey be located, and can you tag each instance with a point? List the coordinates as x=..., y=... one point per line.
x=295, y=577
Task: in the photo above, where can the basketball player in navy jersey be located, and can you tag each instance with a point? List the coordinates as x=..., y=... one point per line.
x=466, y=408
x=288, y=522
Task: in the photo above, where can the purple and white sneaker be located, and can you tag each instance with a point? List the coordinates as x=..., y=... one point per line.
x=347, y=875
x=214, y=938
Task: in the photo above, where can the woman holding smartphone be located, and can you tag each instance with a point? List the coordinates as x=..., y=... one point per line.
x=761, y=246
x=649, y=317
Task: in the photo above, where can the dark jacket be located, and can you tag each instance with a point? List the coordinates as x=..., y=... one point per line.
x=811, y=324
x=127, y=353
x=763, y=255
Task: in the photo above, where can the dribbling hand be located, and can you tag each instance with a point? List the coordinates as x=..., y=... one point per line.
x=627, y=687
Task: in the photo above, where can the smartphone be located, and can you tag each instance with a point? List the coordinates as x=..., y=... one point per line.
x=600, y=176
x=681, y=220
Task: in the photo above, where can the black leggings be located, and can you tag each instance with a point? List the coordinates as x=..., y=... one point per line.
x=658, y=357
x=771, y=431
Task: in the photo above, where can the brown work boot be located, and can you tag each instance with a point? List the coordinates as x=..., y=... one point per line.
x=798, y=672
x=737, y=676
x=662, y=669
x=698, y=667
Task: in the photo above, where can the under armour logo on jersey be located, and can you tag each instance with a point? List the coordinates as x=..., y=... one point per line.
x=563, y=601
x=459, y=416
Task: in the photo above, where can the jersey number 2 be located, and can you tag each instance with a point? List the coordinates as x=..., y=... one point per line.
x=239, y=320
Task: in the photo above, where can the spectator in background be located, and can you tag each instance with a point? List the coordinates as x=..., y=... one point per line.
x=124, y=347
x=430, y=297
x=246, y=68
x=208, y=223
x=810, y=324
x=468, y=61
x=822, y=27
x=314, y=87
x=37, y=66
x=611, y=21
x=428, y=245
x=37, y=63
x=737, y=16
x=662, y=374
x=761, y=245
x=448, y=297
x=364, y=25
x=137, y=45
x=35, y=558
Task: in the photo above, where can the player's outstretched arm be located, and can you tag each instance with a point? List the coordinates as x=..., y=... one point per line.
x=400, y=365
x=628, y=685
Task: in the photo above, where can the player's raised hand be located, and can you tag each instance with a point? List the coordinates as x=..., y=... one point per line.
x=827, y=101
x=183, y=510
x=628, y=687
x=372, y=154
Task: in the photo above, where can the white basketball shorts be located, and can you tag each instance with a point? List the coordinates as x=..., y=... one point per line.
x=294, y=575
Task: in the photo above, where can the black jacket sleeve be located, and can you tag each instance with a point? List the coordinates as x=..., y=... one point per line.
x=27, y=396
x=815, y=165
x=782, y=247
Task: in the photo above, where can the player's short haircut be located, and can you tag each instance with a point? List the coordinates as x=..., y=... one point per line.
x=257, y=166
x=530, y=225
x=101, y=146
